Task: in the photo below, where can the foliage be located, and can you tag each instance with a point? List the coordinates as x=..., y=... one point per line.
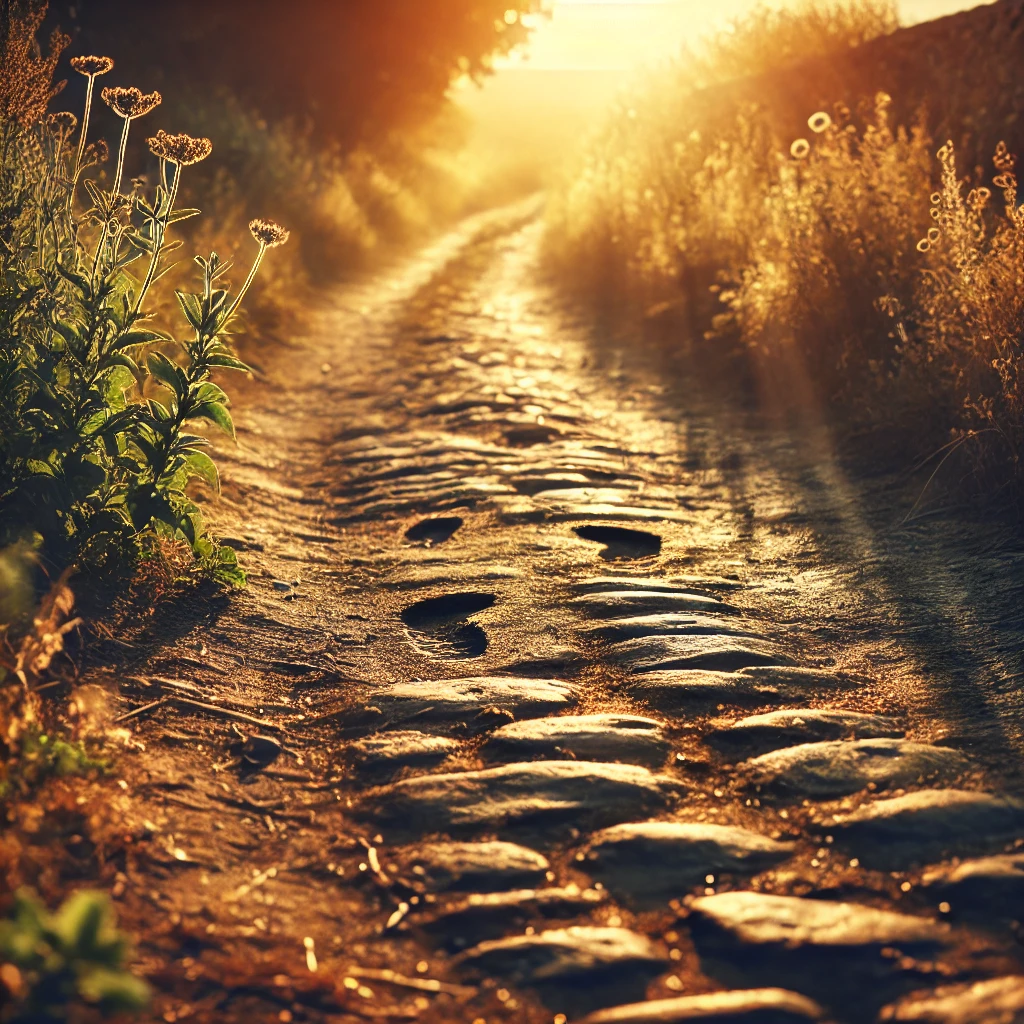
x=820, y=258
x=359, y=70
x=76, y=954
x=96, y=404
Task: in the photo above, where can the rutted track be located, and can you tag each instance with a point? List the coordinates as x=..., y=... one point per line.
x=601, y=699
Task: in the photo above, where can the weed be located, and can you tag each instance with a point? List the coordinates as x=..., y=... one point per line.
x=97, y=405
x=48, y=961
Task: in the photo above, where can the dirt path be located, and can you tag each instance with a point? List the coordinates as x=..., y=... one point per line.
x=514, y=605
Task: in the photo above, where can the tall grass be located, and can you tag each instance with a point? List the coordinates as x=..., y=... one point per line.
x=847, y=254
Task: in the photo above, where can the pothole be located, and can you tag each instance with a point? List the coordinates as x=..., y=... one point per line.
x=620, y=542
x=439, y=628
x=432, y=532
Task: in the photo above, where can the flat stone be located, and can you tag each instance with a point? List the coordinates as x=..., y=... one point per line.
x=607, y=737
x=483, y=916
x=925, y=826
x=559, y=792
x=381, y=757
x=776, y=729
x=717, y=653
x=576, y=969
x=664, y=584
x=668, y=624
x=840, y=767
x=994, y=1001
x=985, y=889
x=610, y=604
x=467, y=702
x=655, y=861
x=837, y=953
x=444, y=574
x=471, y=867
x=746, y=1006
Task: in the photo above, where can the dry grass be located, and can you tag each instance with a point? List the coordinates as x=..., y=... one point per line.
x=848, y=259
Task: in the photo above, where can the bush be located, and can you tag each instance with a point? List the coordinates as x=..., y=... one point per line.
x=97, y=405
x=48, y=961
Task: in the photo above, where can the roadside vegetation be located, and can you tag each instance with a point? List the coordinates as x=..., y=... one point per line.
x=857, y=260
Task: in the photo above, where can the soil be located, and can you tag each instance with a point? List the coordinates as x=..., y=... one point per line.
x=455, y=477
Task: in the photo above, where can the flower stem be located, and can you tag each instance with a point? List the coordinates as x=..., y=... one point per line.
x=85, y=129
x=120, y=155
x=248, y=281
x=160, y=232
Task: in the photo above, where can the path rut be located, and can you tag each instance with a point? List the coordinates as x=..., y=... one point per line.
x=516, y=601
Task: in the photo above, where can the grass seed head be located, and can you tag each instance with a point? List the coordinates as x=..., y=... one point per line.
x=130, y=102
x=90, y=66
x=268, y=232
x=180, y=149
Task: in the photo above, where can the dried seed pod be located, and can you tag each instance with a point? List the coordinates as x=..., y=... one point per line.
x=90, y=66
x=62, y=121
x=268, y=232
x=130, y=102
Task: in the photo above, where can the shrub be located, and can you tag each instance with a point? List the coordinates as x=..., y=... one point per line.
x=97, y=406
x=48, y=961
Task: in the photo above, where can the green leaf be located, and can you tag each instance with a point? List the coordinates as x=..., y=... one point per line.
x=139, y=337
x=216, y=413
x=169, y=373
x=183, y=214
x=191, y=306
x=228, y=362
x=201, y=465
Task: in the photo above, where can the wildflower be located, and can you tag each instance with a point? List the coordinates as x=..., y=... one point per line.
x=91, y=66
x=183, y=150
x=130, y=102
x=819, y=122
x=268, y=233
x=799, y=149
x=62, y=121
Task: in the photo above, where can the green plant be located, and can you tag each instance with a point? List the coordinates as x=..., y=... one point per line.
x=48, y=961
x=97, y=405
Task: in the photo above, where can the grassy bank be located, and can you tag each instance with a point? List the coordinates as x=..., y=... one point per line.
x=853, y=259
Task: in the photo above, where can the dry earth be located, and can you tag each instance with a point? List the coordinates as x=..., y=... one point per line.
x=559, y=687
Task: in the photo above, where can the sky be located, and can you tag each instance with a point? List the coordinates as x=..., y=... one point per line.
x=621, y=35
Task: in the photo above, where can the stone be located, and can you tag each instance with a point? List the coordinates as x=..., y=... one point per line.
x=574, y=969
x=849, y=957
x=715, y=653
x=744, y=1006
x=655, y=861
x=985, y=889
x=471, y=867
x=840, y=767
x=543, y=792
x=607, y=737
x=678, y=689
x=761, y=733
x=668, y=624
x=467, y=703
x=925, y=826
x=384, y=756
x=994, y=1001
x=610, y=604
x=482, y=916
x=669, y=585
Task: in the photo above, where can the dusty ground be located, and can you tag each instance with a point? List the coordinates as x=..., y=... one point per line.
x=459, y=388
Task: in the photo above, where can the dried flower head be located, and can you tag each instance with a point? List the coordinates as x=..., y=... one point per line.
x=97, y=152
x=180, y=149
x=62, y=122
x=799, y=149
x=268, y=232
x=131, y=102
x=91, y=66
x=819, y=122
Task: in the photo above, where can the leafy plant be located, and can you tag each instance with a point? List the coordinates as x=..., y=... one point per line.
x=77, y=954
x=97, y=405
